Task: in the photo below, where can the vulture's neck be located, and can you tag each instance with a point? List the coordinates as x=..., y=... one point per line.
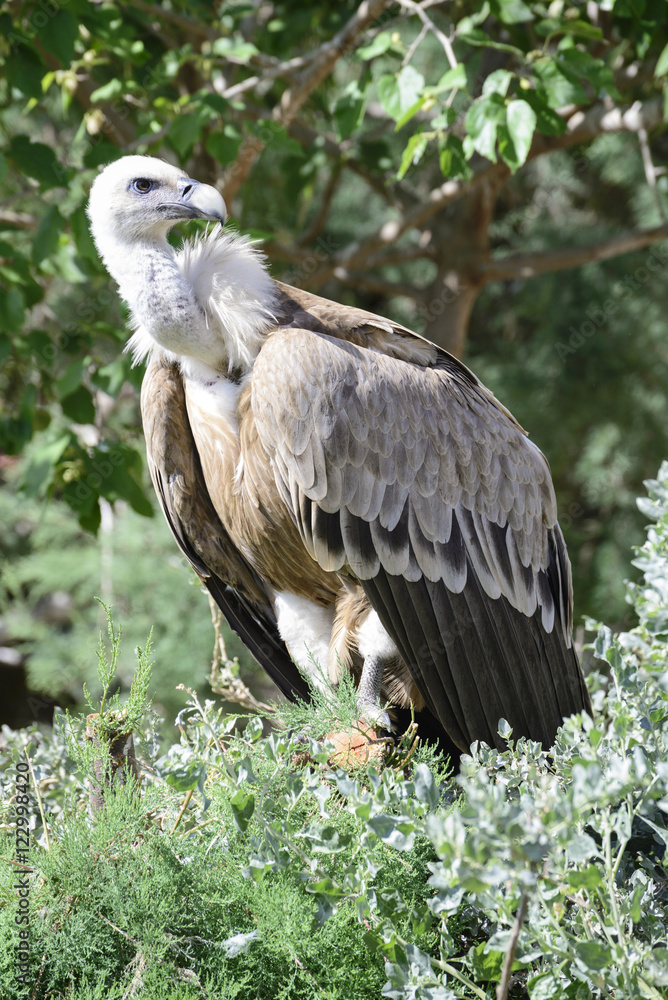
x=208, y=305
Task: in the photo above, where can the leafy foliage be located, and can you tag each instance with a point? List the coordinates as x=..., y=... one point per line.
x=271, y=879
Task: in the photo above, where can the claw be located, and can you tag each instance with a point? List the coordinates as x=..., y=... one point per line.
x=370, y=713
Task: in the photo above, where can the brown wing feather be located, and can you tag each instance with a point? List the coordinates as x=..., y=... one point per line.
x=428, y=492
x=181, y=490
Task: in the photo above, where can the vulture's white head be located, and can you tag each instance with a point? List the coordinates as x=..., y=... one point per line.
x=212, y=300
x=141, y=198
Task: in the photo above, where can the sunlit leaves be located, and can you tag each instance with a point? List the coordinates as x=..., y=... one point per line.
x=515, y=139
x=482, y=121
x=399, y=93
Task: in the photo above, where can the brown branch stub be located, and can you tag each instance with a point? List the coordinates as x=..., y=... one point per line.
x=504, y=984
x=529, y=265
x=117, y=764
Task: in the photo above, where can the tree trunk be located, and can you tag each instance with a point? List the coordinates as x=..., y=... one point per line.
x=460, y=236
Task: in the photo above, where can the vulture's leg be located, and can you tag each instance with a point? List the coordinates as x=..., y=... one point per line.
x=377, y=651
x=368, y=692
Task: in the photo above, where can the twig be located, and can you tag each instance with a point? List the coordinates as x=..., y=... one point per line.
x=650, y=171
x=316, y=226
x=285, y=68
x=371, y=283
x=186, y=802
x=324, y=60
x=39, y=799
x=528, y=265
x=418, y=9
x=502, y=988
x=414, y=44
x=181, y=22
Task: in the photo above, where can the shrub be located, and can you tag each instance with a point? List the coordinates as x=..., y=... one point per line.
x=245, y=865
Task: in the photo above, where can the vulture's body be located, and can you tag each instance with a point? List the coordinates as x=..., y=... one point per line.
x=351, y=495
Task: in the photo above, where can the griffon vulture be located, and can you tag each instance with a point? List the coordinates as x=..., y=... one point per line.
x=351, y=495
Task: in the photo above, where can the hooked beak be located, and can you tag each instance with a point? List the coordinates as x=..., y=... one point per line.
x=196, y=201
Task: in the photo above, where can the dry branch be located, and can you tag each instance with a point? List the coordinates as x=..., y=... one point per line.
x=530, y=264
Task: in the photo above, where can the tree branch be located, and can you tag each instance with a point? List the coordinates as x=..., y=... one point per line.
x=528, y=265
x=371, y=283
x=322, y=64
x=581, y=126
x=598, y=120
x=320, y=219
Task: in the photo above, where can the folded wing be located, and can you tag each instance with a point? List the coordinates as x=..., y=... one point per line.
x=182, y=492
x=413, y=479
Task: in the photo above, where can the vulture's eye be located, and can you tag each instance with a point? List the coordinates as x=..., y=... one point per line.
x=142, y=185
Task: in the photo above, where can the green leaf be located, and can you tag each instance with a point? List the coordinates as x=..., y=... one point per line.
x=80, y=228
x=47, y=235
x=399, y=93
x=37, y=161
x=378, y=47
x=224, y=146
x=481, y=38
x=548, y=122
x=468, y=24
x=588, y=879
x=560, y=85
x=656, y=966
x=593, y=954
x=59, y=35
x=454, y=79
x=546, y=986
x=511, y=11
x=497, y=82
x=71, y=378
x=108, y=91
x=101, y=153
x=425, y=785
x=25, y=71
x=39, y=466
x=515, y=139
x=412, y=111
x=243, y=807
x=482, y=120
x=412, y=153
x=238, y=48
x=349, y=109
x=452, y=159
x=486, y=963
x=662, y=63
x=12, y=309
x=555, y=26
x=3, y=168
x=184, y=131
x=79, y=406
x=581, y=848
